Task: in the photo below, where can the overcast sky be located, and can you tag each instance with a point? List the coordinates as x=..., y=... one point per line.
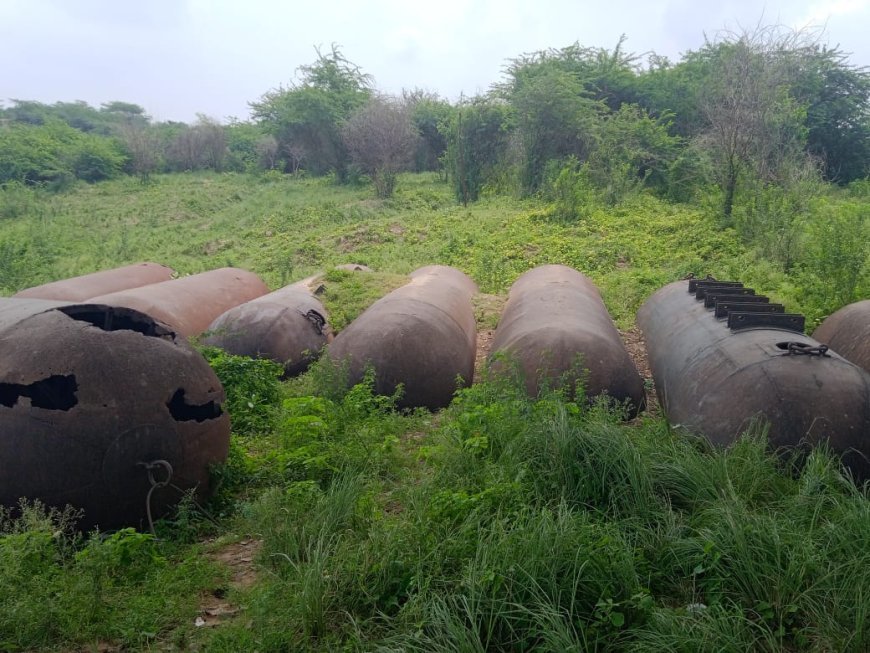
x=178, y=58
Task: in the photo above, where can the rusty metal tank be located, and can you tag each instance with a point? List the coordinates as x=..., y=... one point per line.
x=714, y=376
x=847, y=332
x=554, y=317
x=77, y=289
x=288, y=326
x=422, y=335
x=190, y=304
x=89, y=395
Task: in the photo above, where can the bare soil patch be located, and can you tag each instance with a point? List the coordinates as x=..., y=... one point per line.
x=636, y=347
x=487, y=311
x=238, y=558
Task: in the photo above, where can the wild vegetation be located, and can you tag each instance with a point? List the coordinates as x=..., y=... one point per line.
x=503, y=522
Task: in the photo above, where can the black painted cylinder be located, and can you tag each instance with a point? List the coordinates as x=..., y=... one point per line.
x=715, y=381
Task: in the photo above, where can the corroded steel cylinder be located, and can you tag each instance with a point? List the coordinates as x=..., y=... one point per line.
x=287, y=326
x=190, y=304
x=556, y=328
x=847, y=332
x=89, y=395
x=715, y=381
x=77, y=289
x=422, y=335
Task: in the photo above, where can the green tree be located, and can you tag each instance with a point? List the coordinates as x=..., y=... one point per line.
x=55, y=153
x=428, y=113
x=478, y=138
x=836, y=96
x=560, y=97
x=310, y=114
x=633, y=150
x=242, y=144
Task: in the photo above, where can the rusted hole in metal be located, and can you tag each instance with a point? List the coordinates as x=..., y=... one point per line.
x=57, y=392
x=114, y=319
x=182, y=411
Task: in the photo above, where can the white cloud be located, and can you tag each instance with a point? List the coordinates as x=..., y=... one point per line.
x=179, y=57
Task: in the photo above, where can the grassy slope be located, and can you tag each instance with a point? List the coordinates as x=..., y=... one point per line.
x=285, y=230
x=500, y=524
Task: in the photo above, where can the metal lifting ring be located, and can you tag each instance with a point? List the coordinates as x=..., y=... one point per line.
x=149, y=468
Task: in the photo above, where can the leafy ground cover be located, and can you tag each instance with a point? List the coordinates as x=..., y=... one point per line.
x=501, y=523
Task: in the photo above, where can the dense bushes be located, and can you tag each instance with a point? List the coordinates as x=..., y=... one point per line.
x=56, y=154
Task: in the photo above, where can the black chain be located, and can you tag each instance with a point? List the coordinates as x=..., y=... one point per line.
x=317, y=320
x=804, y=349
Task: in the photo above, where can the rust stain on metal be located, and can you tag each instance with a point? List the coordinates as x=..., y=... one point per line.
x=89, y=392
x=288, y=326
x=716, y=381
x=77, y=289
x=555, y=321
x=847, y=332
x=422, y=335
x=190, y=304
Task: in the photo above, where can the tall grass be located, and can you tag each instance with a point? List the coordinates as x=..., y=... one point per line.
x=503, y=523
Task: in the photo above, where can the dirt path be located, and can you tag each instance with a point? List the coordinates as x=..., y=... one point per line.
x=487, y=311
x=238, y=558
x=636, y=347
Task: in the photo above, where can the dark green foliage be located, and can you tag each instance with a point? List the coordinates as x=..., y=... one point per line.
x=56, y=154
x=252, y=389
x=430, y=114
x=478, y=138
x=837, y=100
x=667, y=88
x=79, y=115
x=555, y=118
x=60, y=586
x=242, y=139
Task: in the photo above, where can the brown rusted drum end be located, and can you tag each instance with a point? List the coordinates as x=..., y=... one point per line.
x=716, y=382
x=89, y=394
x=77, y=289
x=847, y=332
x=287, y=326
x=190, y=304
x=556, y=328
x=422, y=335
